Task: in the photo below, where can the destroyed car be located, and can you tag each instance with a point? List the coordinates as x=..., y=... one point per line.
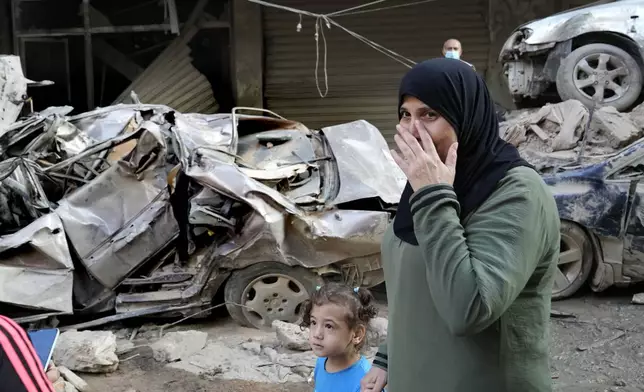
x=593, y=161
x=592, y=54
x=135, y=210
x=601, y=206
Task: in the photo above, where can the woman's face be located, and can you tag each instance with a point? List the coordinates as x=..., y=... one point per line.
x=441, y=132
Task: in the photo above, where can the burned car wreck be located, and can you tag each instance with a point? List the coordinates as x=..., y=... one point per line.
x=592, y=54
x=602, y=210
x=135, y=210
x=593, y=162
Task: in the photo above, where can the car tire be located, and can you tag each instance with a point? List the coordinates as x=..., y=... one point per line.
x=581, y=74
x=261, y=293
x=575, y=261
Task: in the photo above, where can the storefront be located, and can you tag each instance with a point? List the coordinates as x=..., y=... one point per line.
x=362, y=82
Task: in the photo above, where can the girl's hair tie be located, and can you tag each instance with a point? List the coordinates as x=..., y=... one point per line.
x=355, y=290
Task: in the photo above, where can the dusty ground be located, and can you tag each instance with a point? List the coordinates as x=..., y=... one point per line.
x=600, y=349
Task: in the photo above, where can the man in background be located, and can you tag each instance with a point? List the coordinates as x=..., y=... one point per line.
x=452, y=49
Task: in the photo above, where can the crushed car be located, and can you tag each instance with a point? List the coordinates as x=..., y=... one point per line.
x=593, y=162
x=135, y=209
x=592, y=54
x=601, y=206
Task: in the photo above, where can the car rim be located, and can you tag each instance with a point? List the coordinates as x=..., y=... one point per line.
x=601, y=76
x=274, y=297
x=570, y=263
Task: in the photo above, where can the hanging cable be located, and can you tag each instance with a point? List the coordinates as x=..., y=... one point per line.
x=355, y=8
x=319, y=27
x=328, y=21
x=391, y=7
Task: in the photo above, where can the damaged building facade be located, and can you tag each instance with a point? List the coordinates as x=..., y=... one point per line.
x=209, y=56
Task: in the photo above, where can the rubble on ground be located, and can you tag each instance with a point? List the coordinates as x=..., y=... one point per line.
x=64, y=380
x=176, y=345
x=87, y=351
x=292, y=336
x=236, y=354
x=77, y=382
x=554, y=136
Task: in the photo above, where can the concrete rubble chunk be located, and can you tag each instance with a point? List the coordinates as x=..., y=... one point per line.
x=226, y=360
x=613, y=128
x=175, y=346
x=59, y=385
x=69, y=387
x=73, y=379
x=305, y=358
x=124, y=346
x=253, y=347
x=53, y=374
x=291, y=336
x=553, y=136
x=87, y=351
x=638, y=299
x=637, y=116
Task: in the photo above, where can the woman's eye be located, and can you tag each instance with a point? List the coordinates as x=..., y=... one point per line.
x=404, y=114
x=329, y=326
x=313, y=323
x=431, y=115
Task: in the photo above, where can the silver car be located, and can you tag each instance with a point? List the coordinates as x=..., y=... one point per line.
x=593, y=54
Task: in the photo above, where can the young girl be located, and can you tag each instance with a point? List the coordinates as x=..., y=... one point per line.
x=337, y=317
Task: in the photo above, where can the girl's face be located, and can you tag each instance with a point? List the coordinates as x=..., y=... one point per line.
x=329, y=333
x=442, y=133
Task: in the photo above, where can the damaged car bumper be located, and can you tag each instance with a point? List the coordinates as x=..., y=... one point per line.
x=525, y=66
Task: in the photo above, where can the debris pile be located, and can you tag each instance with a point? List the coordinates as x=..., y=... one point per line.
x=87, y=351
x=555, y=136
x=280, y=355
x=292, y=336
x=176, y=345
x=64, y=380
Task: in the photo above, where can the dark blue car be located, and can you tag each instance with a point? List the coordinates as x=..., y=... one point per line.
x=602, y=222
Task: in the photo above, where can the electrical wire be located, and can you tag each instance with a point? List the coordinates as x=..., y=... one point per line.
x=325, y=19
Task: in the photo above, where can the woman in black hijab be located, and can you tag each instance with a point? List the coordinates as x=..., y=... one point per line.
x=470, y=258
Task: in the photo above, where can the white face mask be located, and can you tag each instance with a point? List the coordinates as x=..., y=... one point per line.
x=452, y=54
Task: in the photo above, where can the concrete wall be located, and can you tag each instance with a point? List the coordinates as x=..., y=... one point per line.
x=504, y=16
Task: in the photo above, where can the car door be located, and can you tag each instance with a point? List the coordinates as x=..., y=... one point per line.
x=629, y=170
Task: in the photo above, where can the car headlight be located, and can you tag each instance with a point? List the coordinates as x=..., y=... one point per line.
x=526, y=33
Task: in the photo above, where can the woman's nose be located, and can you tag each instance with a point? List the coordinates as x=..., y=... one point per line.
x=413, y=129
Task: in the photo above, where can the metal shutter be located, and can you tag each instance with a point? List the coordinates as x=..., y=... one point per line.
x=363, y=83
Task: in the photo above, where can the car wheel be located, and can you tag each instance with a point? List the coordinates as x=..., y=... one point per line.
x=603, y=72
x=268, y=291
x=575, y=261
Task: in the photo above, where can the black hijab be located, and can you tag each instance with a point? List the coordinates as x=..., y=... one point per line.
x=458, y=93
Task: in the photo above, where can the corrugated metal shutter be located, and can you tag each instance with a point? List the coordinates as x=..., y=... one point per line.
x=363, y=83
x=172, y=80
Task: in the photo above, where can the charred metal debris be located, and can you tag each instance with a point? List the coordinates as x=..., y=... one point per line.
x=138, y=209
